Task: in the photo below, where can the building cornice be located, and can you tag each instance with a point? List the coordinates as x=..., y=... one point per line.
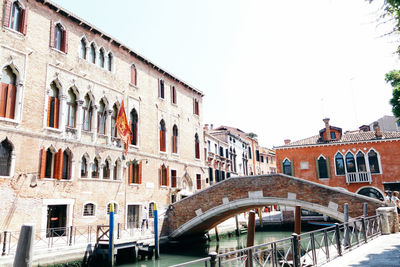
x=337, y=144
x=74, y=18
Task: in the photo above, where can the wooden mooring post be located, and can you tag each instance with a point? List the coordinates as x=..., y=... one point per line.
x=251, y=229
x=237, y=225
x=111, y=236
x=297, y=220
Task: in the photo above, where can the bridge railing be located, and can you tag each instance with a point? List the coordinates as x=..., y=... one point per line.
x=308, y=249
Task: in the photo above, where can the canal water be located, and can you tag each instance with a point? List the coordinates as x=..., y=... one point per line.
x=191, y=250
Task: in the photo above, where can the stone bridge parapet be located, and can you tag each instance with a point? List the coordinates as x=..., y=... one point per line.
x=209, y=207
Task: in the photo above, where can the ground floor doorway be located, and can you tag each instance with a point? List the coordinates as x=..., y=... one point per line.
x=56, y=220
x=133, y=216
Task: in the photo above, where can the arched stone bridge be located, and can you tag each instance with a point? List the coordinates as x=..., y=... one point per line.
x=207, y=208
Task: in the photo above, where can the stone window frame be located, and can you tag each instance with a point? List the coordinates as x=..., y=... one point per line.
x=19, y=84
x=13, y=159
x=94, y=209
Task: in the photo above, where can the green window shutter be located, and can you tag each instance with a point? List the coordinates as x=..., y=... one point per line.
x=328, y=169
x=292, y=167
x=317, y=167
x=281, y=166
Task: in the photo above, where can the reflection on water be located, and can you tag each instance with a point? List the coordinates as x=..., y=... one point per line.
x=191, y=250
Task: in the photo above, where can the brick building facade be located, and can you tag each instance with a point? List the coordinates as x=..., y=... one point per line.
x=61, y=160
x=362, y=161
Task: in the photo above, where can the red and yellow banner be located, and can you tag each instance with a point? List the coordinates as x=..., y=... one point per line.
x=123, y=127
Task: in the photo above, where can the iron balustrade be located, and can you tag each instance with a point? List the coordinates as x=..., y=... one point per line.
x=69, y=236
x=358, y=177
x=308, y=249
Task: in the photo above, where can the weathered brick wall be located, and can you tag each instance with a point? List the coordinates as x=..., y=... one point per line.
x=389, y=153
x=278, y=188
x=38, y=65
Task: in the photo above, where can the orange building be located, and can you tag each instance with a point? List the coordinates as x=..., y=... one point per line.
x=363, y=161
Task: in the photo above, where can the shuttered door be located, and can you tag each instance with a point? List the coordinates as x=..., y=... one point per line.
x=7, y=13
x=130, y=173
x=24, y=21
x=3, y=99
x=140, y=173
x=52, y=28
x=10, y=105
x=167, y=178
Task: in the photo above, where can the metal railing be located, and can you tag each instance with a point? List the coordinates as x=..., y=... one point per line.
x=68, y=236
x=309, y=249
x=358, y=177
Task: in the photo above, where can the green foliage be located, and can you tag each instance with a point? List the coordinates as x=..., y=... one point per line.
x=391, y=9
x=252, y=135
x=393, y=78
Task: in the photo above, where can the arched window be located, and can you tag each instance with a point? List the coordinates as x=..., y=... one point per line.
x=196, y=146
x=113, y=121
x=371, y=192
x=115, y=208
x=373, y=162
x=175, y=139
x=109, y=61
x=101, y=58
x=322, y=167
x=53, y=106
x=339, y=164
x=106, y=170
x=92, y=54
x=101, y=118
x=5, y=158
x=173, y=95
x=60, y=41
x=84, y=167
x=116, y=170
x=361, y=167
x=66, y=165
x=49, y=163
x=162, y=136
x=87, y=114
x=151, y=210
x=8, y=92
x=161, y=92
x=95, y=168
x=164, y=179
x=89, y=209
x=16, y=17
x=133, y=75
x=134, y=127
x=350, y=163
x=82, y=53
x=135, y=172
x=71, y=106
x=287, y=167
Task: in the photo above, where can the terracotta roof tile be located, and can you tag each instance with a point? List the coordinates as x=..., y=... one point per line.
x=352, y=136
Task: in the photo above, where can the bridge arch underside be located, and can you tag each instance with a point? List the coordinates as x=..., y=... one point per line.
x=214, y=216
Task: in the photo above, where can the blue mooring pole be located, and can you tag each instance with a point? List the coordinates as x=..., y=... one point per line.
x=111, y=236
x=156, y=248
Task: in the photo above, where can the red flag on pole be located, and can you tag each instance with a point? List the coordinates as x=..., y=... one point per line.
x=123, y=127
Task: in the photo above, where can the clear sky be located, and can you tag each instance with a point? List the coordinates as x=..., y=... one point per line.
x=275, y=68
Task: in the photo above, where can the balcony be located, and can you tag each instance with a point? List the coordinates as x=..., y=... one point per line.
x=358, y=177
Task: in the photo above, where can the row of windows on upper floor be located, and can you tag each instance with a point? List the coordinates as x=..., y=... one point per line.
x=359, y=163
x=16, y=19
x=59, y=165
x=101, y=121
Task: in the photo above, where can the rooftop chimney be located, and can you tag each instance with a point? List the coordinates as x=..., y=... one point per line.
x=327, y=129
x=364, y=128
x=377, y=129
x=287, y=141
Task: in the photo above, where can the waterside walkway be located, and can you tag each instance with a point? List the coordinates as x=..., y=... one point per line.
x=381, y=251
